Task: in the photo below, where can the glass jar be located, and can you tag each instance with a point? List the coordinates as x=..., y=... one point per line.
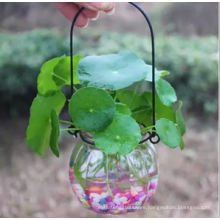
x=113, y=184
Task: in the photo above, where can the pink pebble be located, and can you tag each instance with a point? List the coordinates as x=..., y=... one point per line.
x=116, y=191
x=133, y=191
x=137, y=197
x=133, y=200
x=152, y=185
x=109, y=199
x=129, y=196
x=140, y=194
x=111, y=205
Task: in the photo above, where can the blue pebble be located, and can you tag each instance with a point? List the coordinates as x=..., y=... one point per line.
x=86, y=198
x=103, y=201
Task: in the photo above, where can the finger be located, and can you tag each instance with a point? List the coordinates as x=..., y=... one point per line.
x=90, y=14
x=69, y=10
x=97, y=6
x=112, y=10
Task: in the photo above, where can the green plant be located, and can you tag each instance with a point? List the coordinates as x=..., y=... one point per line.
x=104, y=106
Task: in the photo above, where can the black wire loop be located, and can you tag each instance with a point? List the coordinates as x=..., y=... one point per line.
x=74, y=133
x=153, y=134
x=153, y=139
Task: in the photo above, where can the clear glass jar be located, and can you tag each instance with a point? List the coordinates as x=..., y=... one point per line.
x=113, y=184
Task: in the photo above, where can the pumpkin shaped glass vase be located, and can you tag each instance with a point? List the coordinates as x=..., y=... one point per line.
x=113, y=184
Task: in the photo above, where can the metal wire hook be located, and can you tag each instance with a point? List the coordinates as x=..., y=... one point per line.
x=153, y=134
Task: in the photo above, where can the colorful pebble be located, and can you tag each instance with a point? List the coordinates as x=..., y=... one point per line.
x=111, y=205
x=109, y=199
x=129, y=196
x=138, y=188
x=133, y=191
x=86, y=197
x=117, y=201
x=137, y=197
x=103, y=201
x=140, y=194
x=152, y=185
x=98, y=199
x=84, y=202
x=138, y=203
x=142, y=198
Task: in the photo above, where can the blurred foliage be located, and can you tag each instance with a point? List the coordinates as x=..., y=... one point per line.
x=21, y=56
x=193, y=63
x=189, y=18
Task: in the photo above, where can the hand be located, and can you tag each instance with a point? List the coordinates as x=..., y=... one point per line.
x=91, y=11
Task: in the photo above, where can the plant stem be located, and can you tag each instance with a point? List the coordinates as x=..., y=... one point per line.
x=145, y=130
x=66, y=122
x=60, y=78
x=71, y=129
x=142, y=110
x=108, y=188
x=135, y=92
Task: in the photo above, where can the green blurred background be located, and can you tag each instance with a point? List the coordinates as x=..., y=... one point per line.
x=186, y=45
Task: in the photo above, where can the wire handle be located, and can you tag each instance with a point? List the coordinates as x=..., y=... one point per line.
x=153, y=134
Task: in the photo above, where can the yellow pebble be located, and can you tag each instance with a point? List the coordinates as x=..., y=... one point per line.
x=116, y=211
x=84, y=202
x=133, y=192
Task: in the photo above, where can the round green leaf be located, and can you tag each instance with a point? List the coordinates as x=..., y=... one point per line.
x=121, y=136
x=122, y=108
x=45, y=84
x=143, y=115
x=91, y=108
x=39, y=128
x=61, y=72
x=168, y=133
x=165, y=92
x=55, y=132
x=112, y=71
x=125, y=97
x=161, y=110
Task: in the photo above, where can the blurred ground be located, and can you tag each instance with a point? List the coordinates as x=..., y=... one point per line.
x=31, y=186
x=39, y=187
